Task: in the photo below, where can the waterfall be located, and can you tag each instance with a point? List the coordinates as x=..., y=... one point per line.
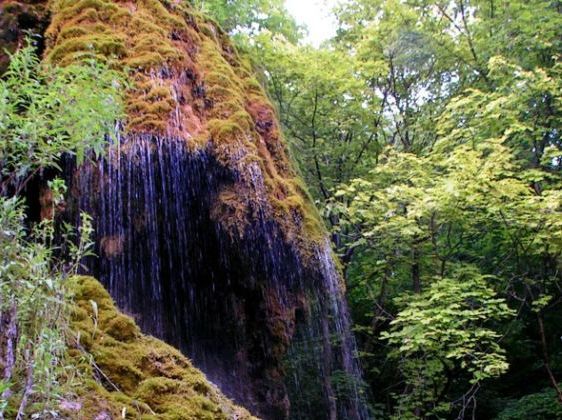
x=268, y=326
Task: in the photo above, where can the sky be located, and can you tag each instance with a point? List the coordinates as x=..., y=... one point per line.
x=315, y=14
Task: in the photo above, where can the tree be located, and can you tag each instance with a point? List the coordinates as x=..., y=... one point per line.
x=249, y=18
x=324, y=110
x=471, y=178
x=417, y=222
x=441, y=332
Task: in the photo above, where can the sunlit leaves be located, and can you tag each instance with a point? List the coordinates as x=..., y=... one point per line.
x=250, y=17
x=446, y=327
x=447, y=320
x=523, y=111
x=45, y=112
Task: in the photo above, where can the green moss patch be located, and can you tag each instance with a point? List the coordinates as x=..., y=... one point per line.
x=142, y=38
x=123, y=372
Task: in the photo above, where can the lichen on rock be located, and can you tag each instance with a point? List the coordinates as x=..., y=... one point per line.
x=121, y=371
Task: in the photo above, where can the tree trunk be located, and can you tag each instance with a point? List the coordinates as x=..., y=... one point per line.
x=546, y=358
x=416, y=282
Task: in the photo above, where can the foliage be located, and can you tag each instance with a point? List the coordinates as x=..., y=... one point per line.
x=541, y=405
x=33, y=307
x=526, y=118
x=251, y=17
x=322, y=110
x=441, y=331
x=45, y=113
x=459, y=103
x=420, y=218
x=408, y=200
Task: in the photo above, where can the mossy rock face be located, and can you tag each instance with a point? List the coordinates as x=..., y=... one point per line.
x=121, y=371
x=188, y=82
x=17, y=17
x=144, y=38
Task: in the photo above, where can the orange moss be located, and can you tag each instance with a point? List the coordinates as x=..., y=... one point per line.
x=188, y=81
x=137, y=36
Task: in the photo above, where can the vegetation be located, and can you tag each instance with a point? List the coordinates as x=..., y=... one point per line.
x=429, y=133
x=247, y=18
x=65, y=350
x=45, y=112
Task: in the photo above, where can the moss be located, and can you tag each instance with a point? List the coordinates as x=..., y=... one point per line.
x=162, y=14
x=154, y=390
x=158, y=92
x=86, y=289
x=118, y=367
x=125, y=371
x=78, y=31
x=102, y=44
x=16, y=18
x=140, y=38
x=236, y=128
x=139, y=32
x=122, y=328
x=161, y=41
